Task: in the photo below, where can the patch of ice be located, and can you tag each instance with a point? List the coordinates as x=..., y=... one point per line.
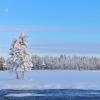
x=19, y=95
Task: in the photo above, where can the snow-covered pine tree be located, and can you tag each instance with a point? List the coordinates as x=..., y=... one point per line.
x=19, y=56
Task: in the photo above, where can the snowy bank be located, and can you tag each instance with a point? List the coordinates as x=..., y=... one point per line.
x=52, y=80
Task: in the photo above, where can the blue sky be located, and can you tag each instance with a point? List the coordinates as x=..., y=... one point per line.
x=53, y=26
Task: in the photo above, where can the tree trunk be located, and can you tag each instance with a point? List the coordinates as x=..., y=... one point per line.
x=19, y=74
x=22, y=75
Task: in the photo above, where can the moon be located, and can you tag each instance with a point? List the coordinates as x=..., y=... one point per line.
x=6, y=10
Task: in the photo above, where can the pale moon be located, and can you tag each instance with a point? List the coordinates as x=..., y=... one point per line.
x=6, y=10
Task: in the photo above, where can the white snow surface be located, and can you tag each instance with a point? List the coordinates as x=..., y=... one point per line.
x=20, y=95
x=23, y=95
x=47, y=79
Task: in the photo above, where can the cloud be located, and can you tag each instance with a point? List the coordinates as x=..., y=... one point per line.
x=92, y=49
x=4, y=52
x=66, y=48
x=29, y=29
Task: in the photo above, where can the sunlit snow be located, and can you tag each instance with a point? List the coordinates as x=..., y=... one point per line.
x=52, y=80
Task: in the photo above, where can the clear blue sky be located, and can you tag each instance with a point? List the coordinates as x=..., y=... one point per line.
x=62, y=26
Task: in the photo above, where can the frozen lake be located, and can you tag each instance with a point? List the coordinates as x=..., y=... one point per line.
x=52, y=80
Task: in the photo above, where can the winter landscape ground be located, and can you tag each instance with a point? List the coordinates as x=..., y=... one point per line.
x=55, y=85
x=49, y=49
x=51, y=80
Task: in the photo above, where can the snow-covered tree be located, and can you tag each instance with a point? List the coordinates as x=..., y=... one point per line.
x=19, y=56
x=66, y=62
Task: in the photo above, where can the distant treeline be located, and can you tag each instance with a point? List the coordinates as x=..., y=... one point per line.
x=64, y=62
x=61, y=62
x=3, y=63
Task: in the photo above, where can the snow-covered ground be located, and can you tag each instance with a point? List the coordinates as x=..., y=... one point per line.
x=52, y=80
